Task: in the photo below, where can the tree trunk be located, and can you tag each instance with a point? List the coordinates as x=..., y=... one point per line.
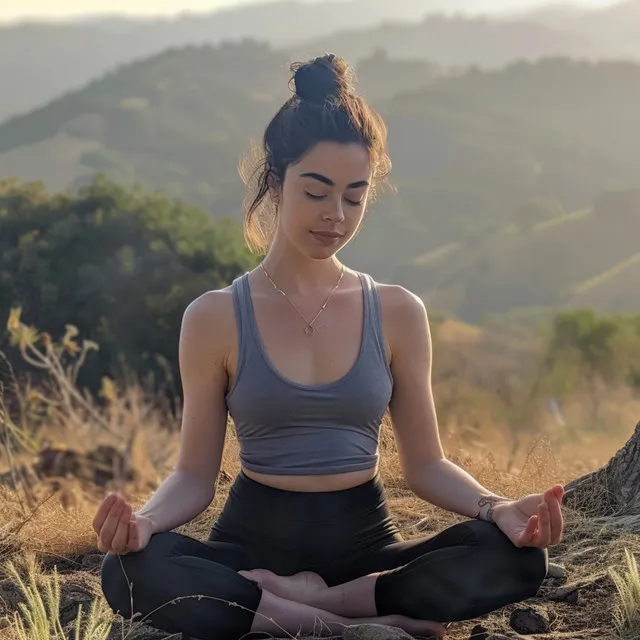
x=613, y=491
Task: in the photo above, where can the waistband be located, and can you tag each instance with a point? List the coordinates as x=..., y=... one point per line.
x=258, y=499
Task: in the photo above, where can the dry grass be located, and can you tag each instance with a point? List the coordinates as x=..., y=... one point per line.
x=598, y=562
x=49, y=580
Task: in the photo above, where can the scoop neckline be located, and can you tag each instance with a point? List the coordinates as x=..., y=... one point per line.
x=366, y=320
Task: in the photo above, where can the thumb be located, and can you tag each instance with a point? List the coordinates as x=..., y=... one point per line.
x=134, y=536
x=527, y=536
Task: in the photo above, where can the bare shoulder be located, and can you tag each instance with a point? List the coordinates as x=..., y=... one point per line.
x=209, y=320
x=217, y=303
x=404, y=317
x=397, y=299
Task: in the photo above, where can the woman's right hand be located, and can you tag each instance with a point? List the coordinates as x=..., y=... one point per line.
x=118, y=529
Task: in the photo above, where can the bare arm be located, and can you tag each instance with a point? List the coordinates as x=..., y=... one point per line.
x=429, y=474
x=191, y=486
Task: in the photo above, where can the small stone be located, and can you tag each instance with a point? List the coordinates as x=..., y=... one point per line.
x=556, y=571
x=93, y=560
x=569, y=594
x=479, y=633
x=374, y=632
x=529, y=621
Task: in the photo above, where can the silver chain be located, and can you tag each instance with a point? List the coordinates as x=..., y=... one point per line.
x=309, y=329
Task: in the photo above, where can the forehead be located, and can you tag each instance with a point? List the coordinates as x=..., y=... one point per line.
x=342, y=163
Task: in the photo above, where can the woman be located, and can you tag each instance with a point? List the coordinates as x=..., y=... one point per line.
x=306, y=356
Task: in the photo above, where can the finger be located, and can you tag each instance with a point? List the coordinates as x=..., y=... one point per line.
x=543, y=537
x=110, y=525
x=556, y=519
x=121, y=536
x=134, y=536
x=528, y=535
x=556, y=493
x=103, y=512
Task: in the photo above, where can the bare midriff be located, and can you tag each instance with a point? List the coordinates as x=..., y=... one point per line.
x=313, y=483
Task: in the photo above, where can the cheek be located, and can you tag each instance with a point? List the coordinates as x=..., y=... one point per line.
x=297, y=212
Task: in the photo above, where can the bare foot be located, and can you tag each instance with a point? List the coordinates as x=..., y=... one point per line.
x=300, y=587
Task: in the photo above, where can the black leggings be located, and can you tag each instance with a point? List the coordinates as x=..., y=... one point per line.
x=465, y=571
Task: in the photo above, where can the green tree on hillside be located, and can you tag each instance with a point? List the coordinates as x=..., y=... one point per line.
x=592, y=352
x=119, y=265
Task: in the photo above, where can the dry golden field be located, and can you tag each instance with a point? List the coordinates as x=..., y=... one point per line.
x=80, y=449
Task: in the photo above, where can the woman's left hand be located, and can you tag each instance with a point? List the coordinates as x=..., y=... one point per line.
x=533, y=521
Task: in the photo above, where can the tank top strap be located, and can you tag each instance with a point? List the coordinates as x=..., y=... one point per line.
x=373, y=315
x=242, y=306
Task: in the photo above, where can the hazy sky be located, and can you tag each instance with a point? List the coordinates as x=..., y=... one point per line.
x=15, y=9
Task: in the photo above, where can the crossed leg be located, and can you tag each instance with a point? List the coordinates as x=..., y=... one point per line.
x=180, y=584
x=465, y=571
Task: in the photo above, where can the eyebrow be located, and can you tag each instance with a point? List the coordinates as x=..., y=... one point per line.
x=331, y=183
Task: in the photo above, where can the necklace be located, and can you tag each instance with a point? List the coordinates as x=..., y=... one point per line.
x=309, y=329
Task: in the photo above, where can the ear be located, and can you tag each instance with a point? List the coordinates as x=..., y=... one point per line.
x=275, y=190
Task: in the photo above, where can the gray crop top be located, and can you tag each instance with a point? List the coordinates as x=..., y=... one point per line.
x=286, y=428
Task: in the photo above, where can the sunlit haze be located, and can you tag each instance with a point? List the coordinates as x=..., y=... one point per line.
x=64, y=9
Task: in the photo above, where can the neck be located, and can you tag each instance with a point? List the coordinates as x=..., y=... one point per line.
x=296, y=273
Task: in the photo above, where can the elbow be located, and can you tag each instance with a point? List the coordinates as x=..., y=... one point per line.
x=423, y=476
x=202, y=486
x=420, y=489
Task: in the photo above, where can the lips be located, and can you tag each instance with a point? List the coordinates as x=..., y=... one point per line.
x=328, y=234
x=327, y=238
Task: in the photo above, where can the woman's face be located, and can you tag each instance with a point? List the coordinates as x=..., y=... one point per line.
x=323, y=199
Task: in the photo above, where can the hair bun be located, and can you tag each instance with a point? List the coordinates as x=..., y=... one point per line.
x=321, y=79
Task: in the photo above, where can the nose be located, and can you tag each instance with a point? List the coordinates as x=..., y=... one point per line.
x=334, y=213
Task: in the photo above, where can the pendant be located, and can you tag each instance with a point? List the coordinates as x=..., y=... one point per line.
x=309, y=330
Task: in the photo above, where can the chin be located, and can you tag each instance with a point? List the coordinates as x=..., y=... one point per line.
x=323, y=253
x=318, y=251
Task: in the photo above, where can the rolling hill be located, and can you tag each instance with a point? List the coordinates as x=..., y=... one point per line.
x=39, y=62
x=178, y=120
x=515, y=187
x=459, y=42
x=615, y=26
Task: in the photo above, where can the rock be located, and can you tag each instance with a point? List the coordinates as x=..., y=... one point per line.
x=556, y=572
x=93, y=560
x=565, y=594
x=76, y=589
x=479, y=633
x=99, y=466
x=529, y=621
x=10, y=597
x=374, y=632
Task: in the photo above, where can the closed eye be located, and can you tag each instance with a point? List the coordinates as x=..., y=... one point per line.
x=354, y=203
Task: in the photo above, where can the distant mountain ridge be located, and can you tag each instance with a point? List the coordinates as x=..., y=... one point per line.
x=459, y=42
x=617, y=26
x=518, y=187
x=41, y=62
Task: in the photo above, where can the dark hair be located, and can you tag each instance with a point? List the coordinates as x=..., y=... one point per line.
x=323, y=108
